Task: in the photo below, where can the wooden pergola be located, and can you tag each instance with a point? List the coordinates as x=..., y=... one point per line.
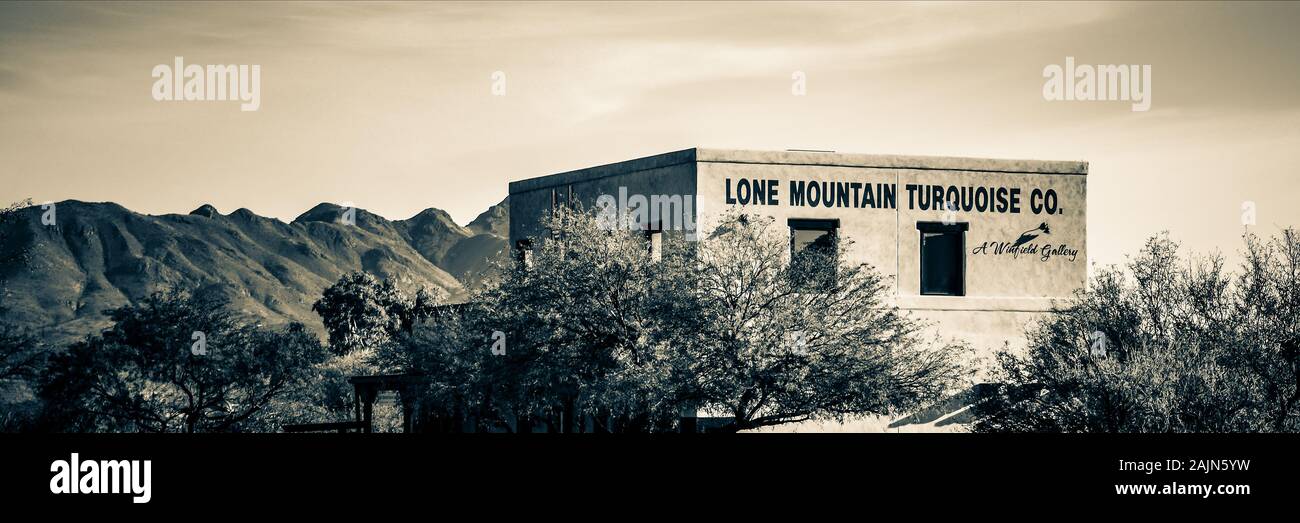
x=365, y=390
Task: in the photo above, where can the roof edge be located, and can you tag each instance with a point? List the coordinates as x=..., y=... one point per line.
x=809, y=158
x=644, y=163
x=885, y=161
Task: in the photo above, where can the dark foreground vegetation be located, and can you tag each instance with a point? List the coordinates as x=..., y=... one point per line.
x=598, y=331
x=1164, y=344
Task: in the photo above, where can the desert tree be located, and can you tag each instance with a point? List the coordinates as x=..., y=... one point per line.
x=581, y=338
x=363, y=316
x=361, y=312
x=583, y=334
x=768, y=337
x=1267, y=317
x=21, y=358
x=176, y=362
x=450, y=350
x=1162, y=344
x=603, y=329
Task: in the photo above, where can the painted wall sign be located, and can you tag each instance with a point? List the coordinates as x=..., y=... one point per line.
x=859, y=195
x=1025, y=246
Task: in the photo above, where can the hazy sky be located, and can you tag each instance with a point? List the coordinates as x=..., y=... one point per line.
x=390, y=106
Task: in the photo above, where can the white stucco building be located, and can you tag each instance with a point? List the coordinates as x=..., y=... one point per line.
x=977, y=246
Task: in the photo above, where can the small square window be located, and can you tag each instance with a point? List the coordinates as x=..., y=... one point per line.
x=655, y=243
x=943, y=258
x=814, y=251
x=524, y=253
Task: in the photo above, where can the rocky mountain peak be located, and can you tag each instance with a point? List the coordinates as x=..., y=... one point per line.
x=435, y=220
x=323, y=212
x=104, y=256
x=206, y=210
x=495, y=220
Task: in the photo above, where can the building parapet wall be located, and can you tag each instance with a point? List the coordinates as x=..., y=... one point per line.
x=826, y=159
x=941, y=163
x=592, y=174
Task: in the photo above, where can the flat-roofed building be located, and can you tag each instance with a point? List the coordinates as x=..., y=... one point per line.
x=977, y=246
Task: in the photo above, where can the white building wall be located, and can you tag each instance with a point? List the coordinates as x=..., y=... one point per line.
x=1003, y=292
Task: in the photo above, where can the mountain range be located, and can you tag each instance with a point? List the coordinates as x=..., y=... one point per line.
x=99, y=256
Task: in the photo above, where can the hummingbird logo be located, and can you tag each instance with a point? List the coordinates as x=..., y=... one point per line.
x=1029, y=235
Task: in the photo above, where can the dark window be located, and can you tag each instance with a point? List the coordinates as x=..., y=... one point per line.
x=654, y=237
x=943, y=258
x=813, y=251
x=555, y=207
x=524, y=253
